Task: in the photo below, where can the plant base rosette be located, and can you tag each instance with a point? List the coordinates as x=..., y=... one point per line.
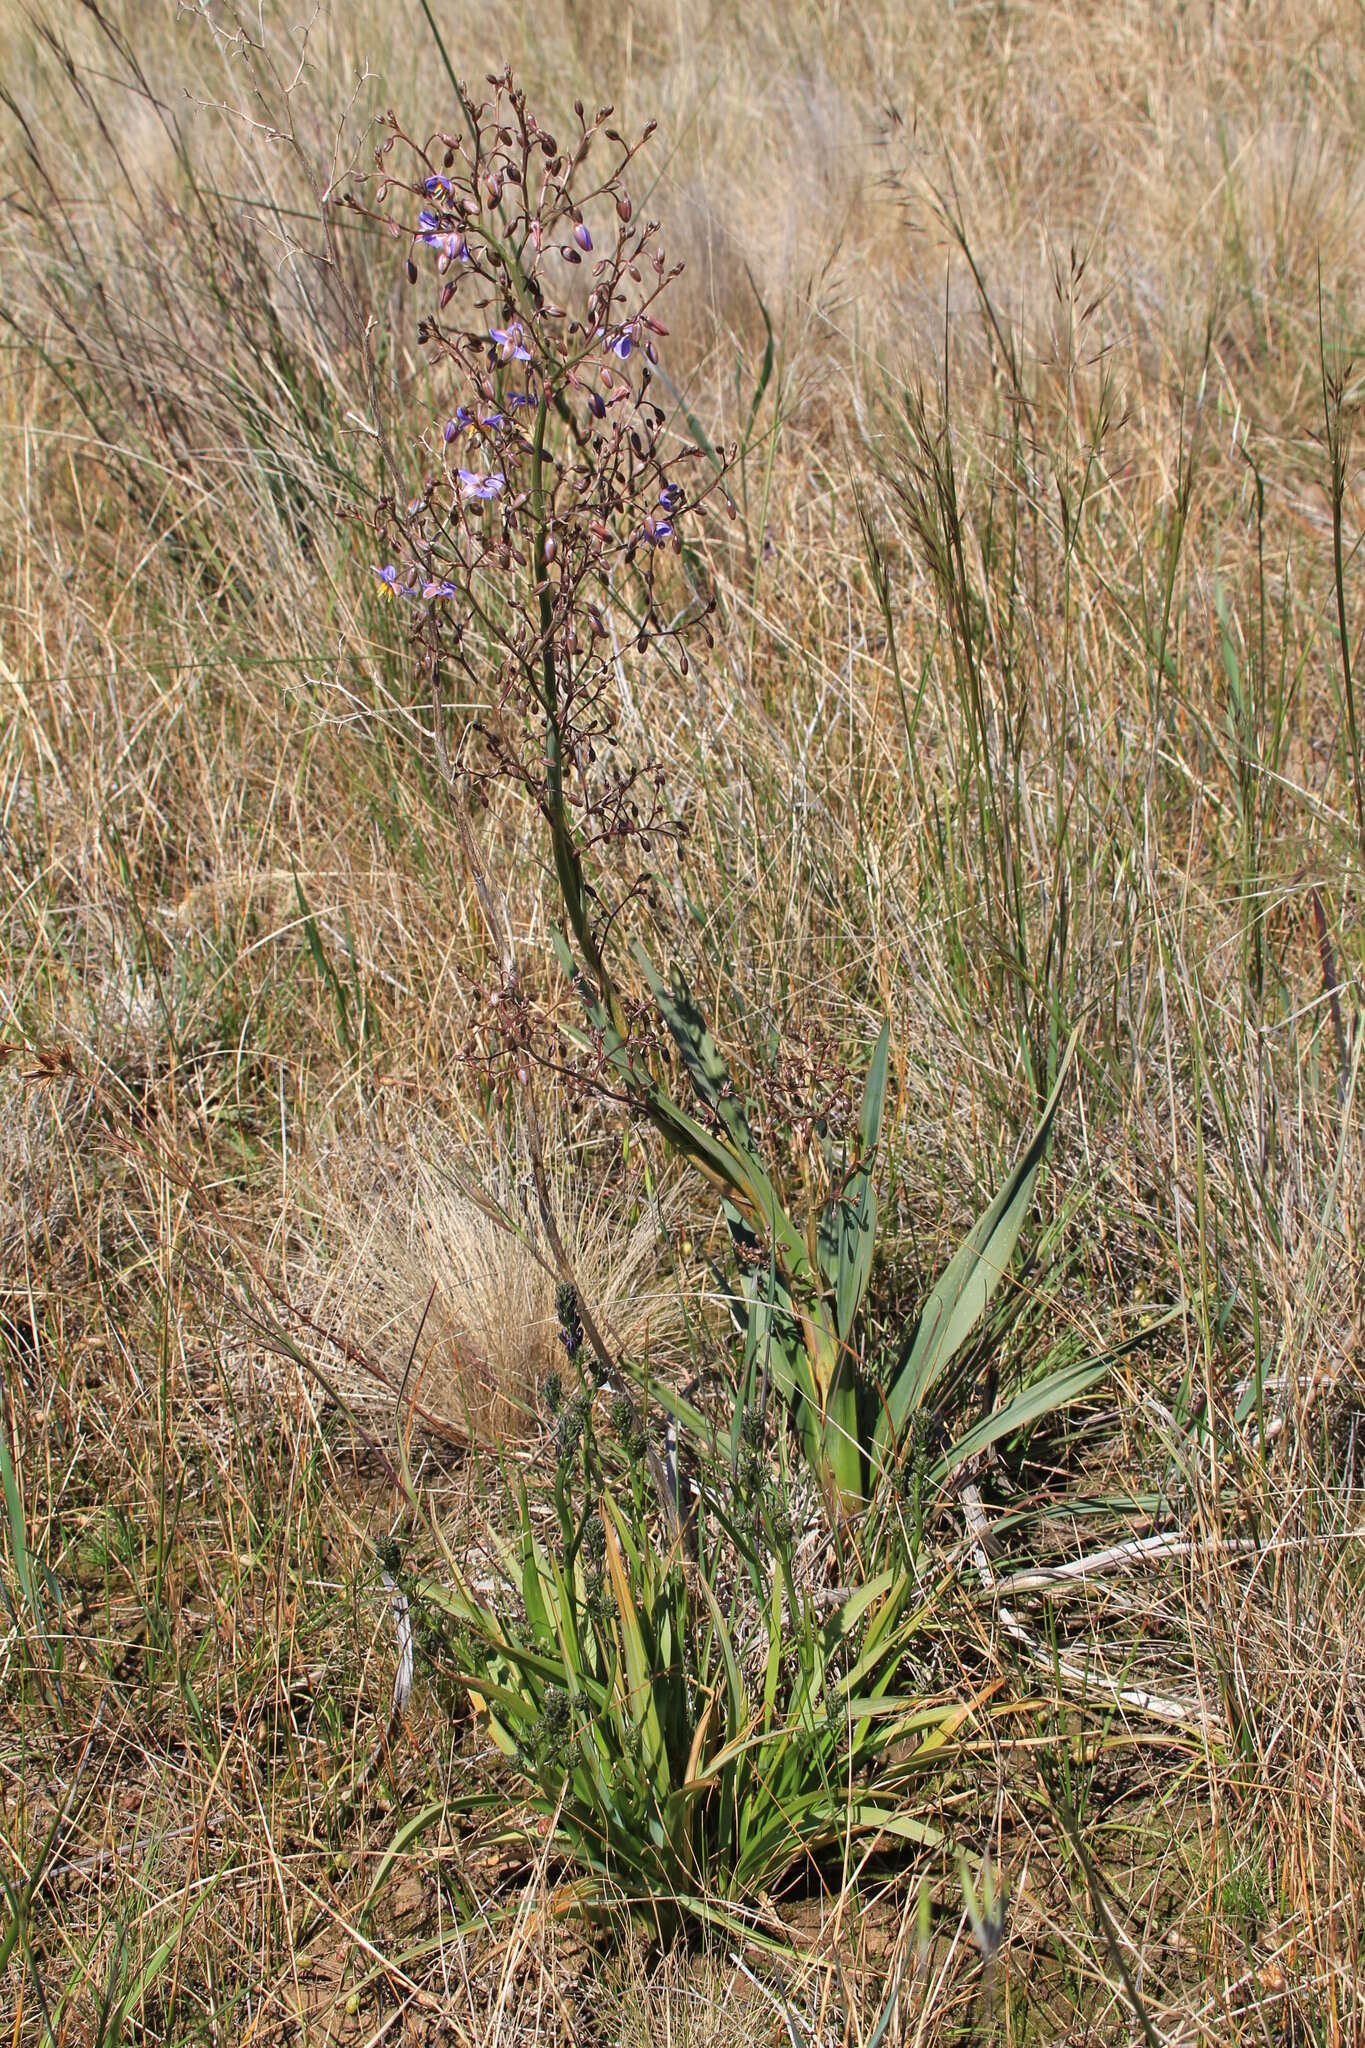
x=690, y=1759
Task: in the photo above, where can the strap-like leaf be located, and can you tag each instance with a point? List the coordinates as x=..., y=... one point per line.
x=847, y=1230
x=874, y=1095
x=1045, y=1396
x=959, y=1301
x=711, y=1079
x=641, y=1705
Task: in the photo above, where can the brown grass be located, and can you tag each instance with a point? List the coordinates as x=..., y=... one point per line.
x=228, y=1169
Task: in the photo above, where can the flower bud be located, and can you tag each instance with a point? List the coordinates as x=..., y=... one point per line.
x=623, y=207
x=582, y=237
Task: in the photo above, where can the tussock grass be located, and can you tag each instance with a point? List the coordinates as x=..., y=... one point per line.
x=1027, y=709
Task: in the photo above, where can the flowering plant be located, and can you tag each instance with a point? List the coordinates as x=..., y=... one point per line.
x=554, y=496
x=554, y=491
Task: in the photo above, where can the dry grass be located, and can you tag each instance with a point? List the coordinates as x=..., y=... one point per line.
x=239, y=1141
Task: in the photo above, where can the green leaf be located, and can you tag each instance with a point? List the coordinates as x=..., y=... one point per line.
x=411, y=1830
x=765, y=369
x=959, y=1301
x=711, y=1079
x=874, y=1095
x=739, y=1699
x=1045, y=1396
x=156, y=1963
x=641, y=1705
x=14, y=1511
x=691, y=1033
x=847, y=1233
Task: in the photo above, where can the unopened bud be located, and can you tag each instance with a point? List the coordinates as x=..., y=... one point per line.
x=412, y=271
x=623, y=207
x=569, y=253
x=582, y=237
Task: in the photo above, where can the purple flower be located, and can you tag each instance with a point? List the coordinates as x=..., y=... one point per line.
x=658, y=531
x=388, y=576
x=616, y=344
x=437, y=184
x=520, y=398
x=512, y=343
x=493, y=419
x=449, y=244
x=472, y=485
x=670, y=497
x=443, y=587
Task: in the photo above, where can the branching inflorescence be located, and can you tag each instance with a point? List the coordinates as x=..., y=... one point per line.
x=542, y=544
